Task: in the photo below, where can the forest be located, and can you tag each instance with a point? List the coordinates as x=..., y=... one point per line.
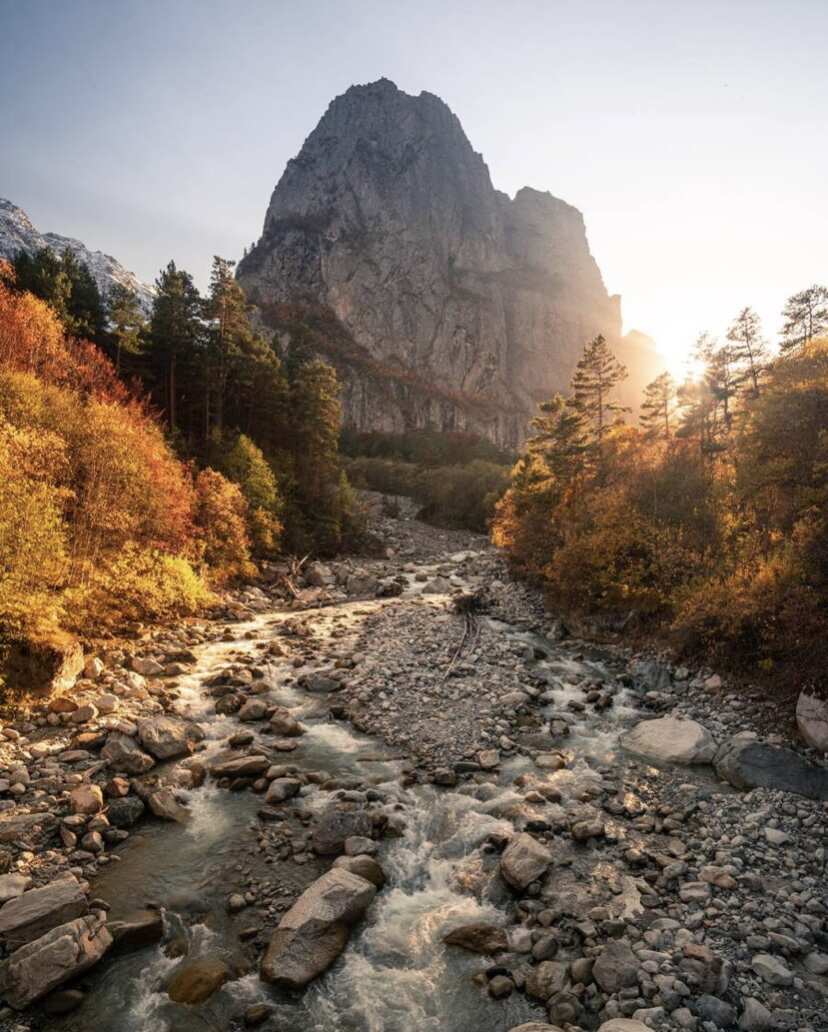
x=703, y=527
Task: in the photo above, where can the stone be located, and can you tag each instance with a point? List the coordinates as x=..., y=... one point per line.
x=624, y=1025
x=283, y=723
x=358, y=844
x=816, y=963
x=136, y=930
x=146, y=666
x=315, y=930
x=717, y=876
x=62, y=704
x=86, y=799
x=281, y=789
x=123, y=754
x=500, y=987
x=755, y=1016
x=93, y=668
x=41, y=669
x=745, y=763
x=13, y=885
x=63, y=1001
x=546, y=979
x=38, y=910
x=83, y=714
x=365, y=866
x=478, y=938
x=240, y=767
x=256, y=1014
x=196, y=980
x=669, y=740
x=253, y=709
x=703, y=970
x=711, y=1008
x=812, y=720
x=769, y=968
x=165, y=737
x=335, y=825
x=52, y=959
x=535, y=1026
x=616, y=968
x=123, y=813
x=163, y=804
x=524, y=860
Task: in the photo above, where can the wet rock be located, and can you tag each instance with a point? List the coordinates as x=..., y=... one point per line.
x=63, y=1001
x=334, y=825
x=745, y=763
x=37, y=911
x=523, y=861
x=146, y=666
x=123, y=813
x=315, y=930
x=812, y=720
x=240, y=767
x=163, y=804
x=548, y=978
x=478, y=938
x=142, y=928
x=669, y=740
x=281, y=789
x=165, y=737
x=86, y=799
x=364, y=866
x=501, y=986
x=616, y=968
x=52, y=959
x=256, y=1014
x=769, y=968
x=196, y=980
x=123, y=754
x=283, y=723
x=253, y=709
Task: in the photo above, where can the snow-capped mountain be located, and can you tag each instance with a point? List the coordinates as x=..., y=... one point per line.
x=18, y=234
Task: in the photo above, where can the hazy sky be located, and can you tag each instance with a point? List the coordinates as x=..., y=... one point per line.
x=692, y=134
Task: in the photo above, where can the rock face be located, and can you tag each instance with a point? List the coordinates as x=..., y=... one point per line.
x=667, y=740
x=18, y=234
x=441, y=301
x=315, y=930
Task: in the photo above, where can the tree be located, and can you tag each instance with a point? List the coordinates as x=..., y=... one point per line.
x=176, y=333
x=806, y=317
x=658, y=407
x=749, y=347
x=597, y=374
x=127, y=321
x=43, y=275
x=559, y=438
x=245, y=464
x=229, y=330
x=85, y=314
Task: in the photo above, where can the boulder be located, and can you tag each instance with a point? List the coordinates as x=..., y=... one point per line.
x=812, y=720
x=616, y=968
x=285, y=724
x=769, y=968
x=315, y=930
x=478, y=938
x=86, y=799
x=37, y=911
x=745, y=763
x=163, y=804
x=334, y=825
x=52, y=959
x=13, y=885
x=123, y=813
x=146, y=666
x=165, y=737
x=546, y=979
x=253, y=709
x=93, y=668
x=364, y=866
x=123, y=754
x=669, y=740
x=281, y=789
x=240, y=767
x=523, y=861
x=624, y=1025
x=41, y=669
x=139, y=929
x=196, y=980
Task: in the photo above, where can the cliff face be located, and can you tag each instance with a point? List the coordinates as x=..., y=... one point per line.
x=464, y=308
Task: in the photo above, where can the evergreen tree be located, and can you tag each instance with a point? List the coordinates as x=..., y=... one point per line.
x=559, y=438
x=806, y=317
x=127, y=322
x=597, y=374
x=658, y=406
x=229, y=331
x=43, y=274
x=749, y=349
x=85, y=313
x=176, y=336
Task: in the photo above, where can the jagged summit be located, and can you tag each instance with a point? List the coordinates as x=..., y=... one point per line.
x=18, y=233
x=468, y=307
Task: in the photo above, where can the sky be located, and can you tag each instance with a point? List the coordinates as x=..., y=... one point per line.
x=692, y=134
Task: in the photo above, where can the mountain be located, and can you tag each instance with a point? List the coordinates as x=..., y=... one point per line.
x=18, y=234
x=441, y=301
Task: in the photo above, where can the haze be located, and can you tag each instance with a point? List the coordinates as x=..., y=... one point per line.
x=691, y=135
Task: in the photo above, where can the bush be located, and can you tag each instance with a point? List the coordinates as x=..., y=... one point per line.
x=221, y=518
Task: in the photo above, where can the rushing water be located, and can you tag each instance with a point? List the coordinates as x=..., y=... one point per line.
x=395, y=975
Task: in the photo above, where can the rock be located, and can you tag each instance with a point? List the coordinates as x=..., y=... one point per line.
x=256, y=1014
x=500, y=987
x=318, y=575
x=93, y=668
x=86, y=799
x=488, y=758
x=83, y=714
x=315, y=930
x=718, y=877
x=142, y=928
x=437, y=586
x=41, y=669
x=253, y=709
x=535, y=1026
x=196, y=980
x=616, y=968
x=122, y=754
x=123, y=813
x=624, y=1025
x=478, y=938
x=62, y=704
x=582, y=831
x=745, y=763
x=701, y=969
x=523, y=861
x=364, y=866
x=240, y=767
x=163, y=804
x=13, y=885
x=546, y=979
x=816, y=963
x=668, y=740
x=334, y=825
x=38, y=910
x=812, y=720
x=146, y=666
x=52, y=959
x=711, y=1008
x=356, y=845
x=284, y=724
x=281, y=789
x=769, y=968
x=164, y=737
x=63, y=1001
x=755, y=1016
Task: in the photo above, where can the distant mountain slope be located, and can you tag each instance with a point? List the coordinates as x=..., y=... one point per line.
x=17, y=233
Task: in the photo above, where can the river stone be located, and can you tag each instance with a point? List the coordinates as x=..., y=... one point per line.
x=123, y=754
x=165, y=737
x=745, y=762
x=624, y=1025
x=62, y=953
x=669, y=740
x=364, y=866
x=616, y=968
x=478, y=938
x=535, y=1026
x=86, y=799
x=812, y=720
x=163, y=804
x=196, y=980
x=755, y=1016
x=281, y=789
x=123, y=813
x=283, y=723
x=253, y=709
x=39, y=910
x=546, y=979
x=524, y=860
x=315, y=930
x=240, y=767
x=334, y=825
x=13, y=885
x=146, y=666
x=770, y=969
x=138, y=929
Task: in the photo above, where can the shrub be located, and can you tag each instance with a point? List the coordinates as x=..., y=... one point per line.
x=221, y=514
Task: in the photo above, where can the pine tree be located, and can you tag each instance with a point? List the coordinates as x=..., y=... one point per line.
x=559, y=438
x=229, y=330
x=749, y=349
x=43, y=274
x=597, y=374
x=658, y=406
x=806, y=317
x=176, y=335
x=127, y=322
x=85, y=313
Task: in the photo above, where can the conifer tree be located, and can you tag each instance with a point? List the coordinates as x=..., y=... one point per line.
x=43, y=274
x=658, y=407
x=127, y=322
x=749, y=349
x=597, y=374
x=806, y=317
x=176, y=334
x=85, y=313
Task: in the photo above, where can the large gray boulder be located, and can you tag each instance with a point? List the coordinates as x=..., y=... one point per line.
x=165, y=737
x=122, y=753
x=334, y=825
x=524, y=860
x=745, y=763
x=812, y=720
x=34, y=912
x=54, y=958
x=616, y=968
x=315, y=930
x=669, y=740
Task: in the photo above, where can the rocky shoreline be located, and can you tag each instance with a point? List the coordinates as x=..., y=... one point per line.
x=679, y=884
